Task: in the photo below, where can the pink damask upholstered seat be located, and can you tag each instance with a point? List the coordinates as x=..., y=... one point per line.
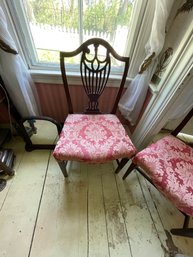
x=169, y=163
x=93, y=139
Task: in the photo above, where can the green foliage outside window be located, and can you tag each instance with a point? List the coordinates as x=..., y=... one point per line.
x=98, y=16
x=101, y=16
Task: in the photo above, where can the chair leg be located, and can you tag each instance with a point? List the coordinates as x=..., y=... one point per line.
x=121, y=164
x=187, y=232
x=62, y=165
x=129, y=170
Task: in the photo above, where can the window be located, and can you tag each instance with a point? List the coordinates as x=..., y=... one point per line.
x=44, y=27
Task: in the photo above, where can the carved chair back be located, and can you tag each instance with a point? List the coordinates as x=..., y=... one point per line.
x=96, y=58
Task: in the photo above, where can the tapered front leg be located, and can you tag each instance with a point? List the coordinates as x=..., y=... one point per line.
x=62, y=165
x=121, y=164
x=187, y=232
x=129, y=170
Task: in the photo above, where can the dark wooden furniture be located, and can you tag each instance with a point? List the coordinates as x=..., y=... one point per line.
x=96, y=60
x=6, y=158
x=6, y=162
x=168, y=165
x=18, y=123
x=6, y=155
x=29, y=145
x=95, y=68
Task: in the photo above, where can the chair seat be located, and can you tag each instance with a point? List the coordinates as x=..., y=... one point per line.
x=169, y=163
x=93, y=139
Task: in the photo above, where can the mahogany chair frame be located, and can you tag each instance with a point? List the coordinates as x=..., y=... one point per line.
x=94, y=79
x=29, y=145
x=185, y=230
x=94, y=75
x=20, y=128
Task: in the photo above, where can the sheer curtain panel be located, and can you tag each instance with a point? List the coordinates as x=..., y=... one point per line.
x=15, y=75
x=132, y=101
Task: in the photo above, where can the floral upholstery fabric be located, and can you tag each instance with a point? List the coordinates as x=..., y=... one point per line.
x=93, y=139
x=169, y=163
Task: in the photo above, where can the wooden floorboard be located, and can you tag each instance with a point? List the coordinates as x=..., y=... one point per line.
x=97, y=226
x=18, y=147
x=19, y=211
x=171, y=218
x=154, y=214
x=141, y=230
x=92, y=213
x=61, y=228
x=116, y=230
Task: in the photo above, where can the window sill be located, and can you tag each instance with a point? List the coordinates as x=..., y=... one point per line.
x=54, y=77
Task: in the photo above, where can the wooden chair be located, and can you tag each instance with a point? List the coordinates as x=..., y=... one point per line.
x=92, y=136
x=168, y=165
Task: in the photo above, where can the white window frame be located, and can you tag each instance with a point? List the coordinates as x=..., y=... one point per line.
x=49, y=73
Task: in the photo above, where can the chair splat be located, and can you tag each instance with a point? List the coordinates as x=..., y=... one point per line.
x=94, y=74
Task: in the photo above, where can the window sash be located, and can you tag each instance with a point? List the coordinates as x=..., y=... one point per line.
x=24, y=39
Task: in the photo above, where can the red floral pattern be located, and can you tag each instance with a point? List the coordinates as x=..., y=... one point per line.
x=93, y=139
x=169, y=163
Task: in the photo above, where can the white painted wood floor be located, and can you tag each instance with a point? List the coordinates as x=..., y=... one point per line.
x=93, y=213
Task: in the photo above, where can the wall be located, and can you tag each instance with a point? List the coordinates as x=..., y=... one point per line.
x=53, y=102
x=53, y=99
x=176, y=28
x=175, y=35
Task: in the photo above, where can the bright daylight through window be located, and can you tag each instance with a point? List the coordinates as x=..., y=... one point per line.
x=42, y=28
x=64, y=24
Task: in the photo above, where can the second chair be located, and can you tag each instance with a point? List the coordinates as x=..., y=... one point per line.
x=168, y=165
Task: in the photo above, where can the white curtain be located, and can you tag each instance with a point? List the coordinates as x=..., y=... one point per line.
x=132, y=101
x=15, y=75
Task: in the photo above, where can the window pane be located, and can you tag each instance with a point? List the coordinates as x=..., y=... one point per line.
x=109, y=20
x=54, y=27
x=61, y=24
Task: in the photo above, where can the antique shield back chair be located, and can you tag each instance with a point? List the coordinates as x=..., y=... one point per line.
x=168, y=165
x=93, y=136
